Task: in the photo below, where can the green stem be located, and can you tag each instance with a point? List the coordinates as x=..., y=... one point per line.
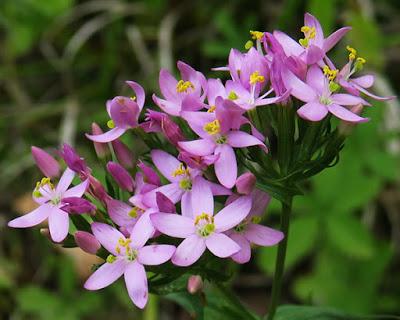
x=280, y=260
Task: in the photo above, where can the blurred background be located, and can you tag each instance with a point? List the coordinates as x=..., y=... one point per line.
x=61, y=59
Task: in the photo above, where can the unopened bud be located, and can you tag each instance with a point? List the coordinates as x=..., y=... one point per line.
x=150, y=176
x=245, y=183
x=121, y=176
x=195, y=284
x=45, y=162
x=164, y=203
x=124, y=155
x=100, y=148
x=171, y=131
x=87, y=242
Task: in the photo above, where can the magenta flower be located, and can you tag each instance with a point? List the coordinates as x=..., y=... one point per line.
x=181, y=178
x=200, y=228
x=185, y=94
x=313, y=47
x=124, y=113
x=128, y=257
x=51, y=203
x=319, y=98
x=121, y=176
x=249, y=231
x=219, y=132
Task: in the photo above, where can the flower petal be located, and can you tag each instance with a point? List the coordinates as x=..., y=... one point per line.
x=240, y=139
x=316, y=79
x=172, y=191
x=143, y=230
x=244, y=254
x=226, y=166
x=65, y=181
x=169, y=107
x=166, y=164
x=155, y=254
x=202, y=198
x=119, y=212
x=107, y=236
x=105, y=275
x=189, y=251
x=173, y=225
x=32, y=218
x=313, y=111
x=221, y=245
x=186, y=204
x=345, y=99
x=139, y=91
x=201, y=147
x=107, y=136
x=299, y=89
x=262, y=235
x=290, y=46
x=365, y=81
x=58, y=224
x=311, y=21
x=77, y=191
x=234, y=213
x=344, y=114
x=197, y=121
x=136, y=284
x=334, y=38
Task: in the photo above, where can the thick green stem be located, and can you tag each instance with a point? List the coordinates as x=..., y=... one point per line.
x=280, y=260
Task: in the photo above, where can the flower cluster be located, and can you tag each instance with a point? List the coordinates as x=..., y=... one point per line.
x=192, y=181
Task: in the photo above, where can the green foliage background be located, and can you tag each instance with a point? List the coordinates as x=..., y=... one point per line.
x=61, y=59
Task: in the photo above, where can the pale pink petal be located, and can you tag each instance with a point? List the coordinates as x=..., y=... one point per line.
x=221, y=245
x=234, y=213
x=119, y=212
x=364, y=81
x=240, y=139
x=197, y=121
x=373, y=96
x=311, y=21
x=169, y=107
x=139, y=92
x=172, y=191
x=202, y=198
x=107, y=236
x=58, y=224
x=344, y=114
x=290, y=46
x=32, y=218
x=201, y=147
x=334, y=38
x=262, y=235
x=226, y=166
x=260, y=200
x=314, y=54
x=105, y=275
x=167, y=85
x=77, y=191
x=218, y=190
x=315, y=78
x=65, y=181
x=155, y=254
x=173, y=225
x=143, y=230
x=136, y=283
x=345, y=99
x=186, y=204
x=189, y=251
x=313, y=111
x=166, y=164
x=298, y=88
x=108, y=136
x=244, y=254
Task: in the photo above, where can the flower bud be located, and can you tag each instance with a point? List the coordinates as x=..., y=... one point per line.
x=124, y=155
x=121, y=176
x=150, y=176
x=87, y=242
x=245, y=183
x=45, y=162
x=73, y=160
x=195, y=284
x=77, y=205
x=100, y=148
x=97, y=189
x=164, y=203
x=172, y=131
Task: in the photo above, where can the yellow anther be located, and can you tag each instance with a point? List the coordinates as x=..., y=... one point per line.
x=256, y=77
x=256, y=35
x=111, y=258
x=44, y=182
x=184, y=86
x=256, y=219
x=361, y=60
x=352, y=53
x=204, y=216
x=305, y=29
x=110, y=124
x=118, y=249
x=180, y=171
x=212, y=127
x=211, y=109
x=133, y=213
x=232, y=95
x=309, y=33
x=329, y=73
x=248, y=45
x=133, y=98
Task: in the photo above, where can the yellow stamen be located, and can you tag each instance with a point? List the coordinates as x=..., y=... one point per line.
x=309, y=33
x=256, y=35
x=211, y=109
x=134, y=212
x=329, y=73
x=212, y=127
x=44, y=182
x=110, y=124
x=352, y=53
x=248, y=45
x=204, y=216
x=232, y=95
x=361, y=60
x=111, y=258
x=184, y=86
x=180, y=171
x=255, y=77
x=133, y=98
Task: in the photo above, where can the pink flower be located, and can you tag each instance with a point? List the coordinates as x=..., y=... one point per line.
x=319, y=98
x=45, y=162
x=121, y=176
x=87, y=242
x=128, y=257
x=219, y=132
x=124, y=113
x=185, y=94
x=51, y=203
x=200, y=228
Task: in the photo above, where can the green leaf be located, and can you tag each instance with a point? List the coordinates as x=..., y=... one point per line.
x=302, y=235
x=292, y=312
